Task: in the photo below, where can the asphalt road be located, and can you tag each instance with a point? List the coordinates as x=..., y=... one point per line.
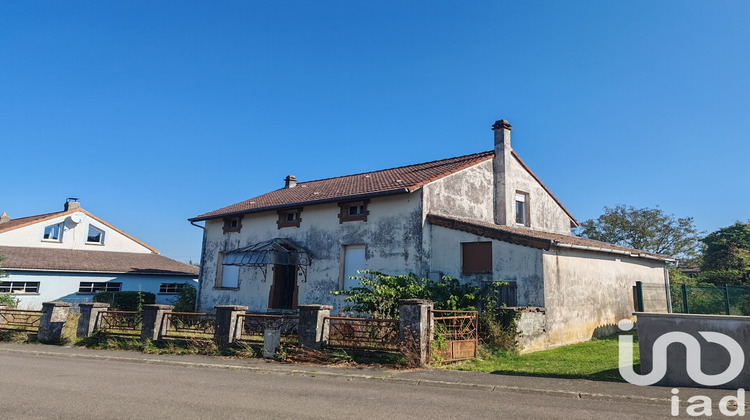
x=44, y=386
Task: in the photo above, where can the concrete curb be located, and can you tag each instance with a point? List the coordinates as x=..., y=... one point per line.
x=386, y=377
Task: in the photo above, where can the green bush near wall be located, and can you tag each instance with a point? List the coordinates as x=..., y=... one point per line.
x=125, y=301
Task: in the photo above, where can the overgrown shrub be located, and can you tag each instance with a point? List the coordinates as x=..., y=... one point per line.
x=125, y=301
x=8, y=299
x=186, y=299
x=378, y=295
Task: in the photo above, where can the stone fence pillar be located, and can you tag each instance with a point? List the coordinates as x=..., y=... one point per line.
x=54, y=315
x=313, y=330
x=228, y=326
x=414, y=330
x=89, y=320
x=153, y=326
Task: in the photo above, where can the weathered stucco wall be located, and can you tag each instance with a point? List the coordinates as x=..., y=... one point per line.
x=464, y=194
x=510, y=262
x=587, y=293
x=392, y=235
x=73, y=236
x=545, y=214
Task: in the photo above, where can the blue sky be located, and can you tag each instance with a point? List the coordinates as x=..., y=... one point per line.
x=155, y=112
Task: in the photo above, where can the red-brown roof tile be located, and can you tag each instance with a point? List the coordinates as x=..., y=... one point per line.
x=534, y=238
x=403, y=179
x=73, y=260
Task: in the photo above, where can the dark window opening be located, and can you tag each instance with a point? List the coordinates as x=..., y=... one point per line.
x=232, y=224
x=99, y=286
x=352, y=211
x=289, y=218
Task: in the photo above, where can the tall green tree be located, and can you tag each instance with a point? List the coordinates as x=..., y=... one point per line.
x=647, y=229
x=726, y=258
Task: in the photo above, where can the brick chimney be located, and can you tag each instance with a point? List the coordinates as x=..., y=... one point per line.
x=4, y=217
x=290, y=181
x=501, y=165
x=72, y=203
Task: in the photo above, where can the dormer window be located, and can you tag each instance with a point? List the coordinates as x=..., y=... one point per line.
x=353, y=210
x=95, y=236
x=522, y=208
x=289, y=218
x=232, y=224
x=53, y=233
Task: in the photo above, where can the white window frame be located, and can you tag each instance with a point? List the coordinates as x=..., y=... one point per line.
x=171, y=288
x=91, y=287
x=101, y=237
x=60, y=230
x=19, y=287
x=223, y=273
x=345, y=282
x=522, y=197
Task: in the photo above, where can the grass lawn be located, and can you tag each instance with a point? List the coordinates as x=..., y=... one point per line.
x=595, y=359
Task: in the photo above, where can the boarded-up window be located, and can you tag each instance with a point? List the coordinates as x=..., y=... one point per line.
x=354, y=259
x=476, y=257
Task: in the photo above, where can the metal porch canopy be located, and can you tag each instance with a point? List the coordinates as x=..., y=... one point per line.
x=279, y=251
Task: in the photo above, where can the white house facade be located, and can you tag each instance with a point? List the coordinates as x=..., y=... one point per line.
x=71, y=254
x=478, y=218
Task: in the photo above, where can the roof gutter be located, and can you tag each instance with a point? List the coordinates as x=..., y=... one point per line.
x=200, y=269
x=612, y=251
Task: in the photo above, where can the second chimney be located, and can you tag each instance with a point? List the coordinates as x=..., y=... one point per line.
x=4, y=217
x=72, y=203
x=501, y=167
x=290, y=181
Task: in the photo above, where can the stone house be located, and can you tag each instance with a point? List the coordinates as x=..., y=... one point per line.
x=71, y=254
x=478, y=218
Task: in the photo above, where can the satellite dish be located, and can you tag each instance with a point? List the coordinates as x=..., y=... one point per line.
x=77, y=218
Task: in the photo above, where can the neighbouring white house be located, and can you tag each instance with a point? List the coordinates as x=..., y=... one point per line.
x=71, y=254
x=478, y=218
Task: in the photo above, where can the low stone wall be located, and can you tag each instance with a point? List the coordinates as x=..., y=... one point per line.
x=710, y=357
x=532, y=330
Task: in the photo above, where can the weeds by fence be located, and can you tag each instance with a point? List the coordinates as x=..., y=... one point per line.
x=189, y=325
x=253, y=326
x=363, y=333
x=120, y=323
x=20, y=320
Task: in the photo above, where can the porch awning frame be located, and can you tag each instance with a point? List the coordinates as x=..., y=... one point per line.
x=278, y=251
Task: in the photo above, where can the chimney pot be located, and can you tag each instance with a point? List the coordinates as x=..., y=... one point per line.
x=4, y=217
x=72, y=203
x=501, y=124
x=290, y=181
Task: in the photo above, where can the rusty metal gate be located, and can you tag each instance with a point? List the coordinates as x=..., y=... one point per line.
x=454, y=335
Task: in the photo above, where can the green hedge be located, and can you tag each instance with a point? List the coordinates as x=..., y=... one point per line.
x=125, y=301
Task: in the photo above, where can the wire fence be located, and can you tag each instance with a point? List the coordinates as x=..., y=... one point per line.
x=711, y=300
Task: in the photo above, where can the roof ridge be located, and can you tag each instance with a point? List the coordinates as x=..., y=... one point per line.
x=393, y=168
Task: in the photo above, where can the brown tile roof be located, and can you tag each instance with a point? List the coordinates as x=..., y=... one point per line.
x=403, y=179
x=73, y=260
x=30, y=220
x=24, y=221
x=534, y=238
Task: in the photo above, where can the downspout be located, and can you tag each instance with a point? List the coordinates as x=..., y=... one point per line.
x=200, y=269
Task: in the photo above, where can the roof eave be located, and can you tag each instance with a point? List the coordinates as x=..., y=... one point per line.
x=404, y=190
